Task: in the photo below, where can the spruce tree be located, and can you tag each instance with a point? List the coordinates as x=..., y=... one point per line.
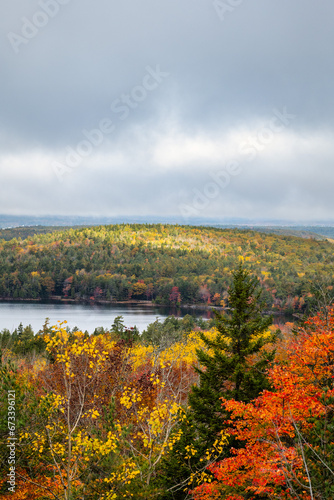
x=226, y=371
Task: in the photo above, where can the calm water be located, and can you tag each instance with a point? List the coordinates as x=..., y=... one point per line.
x=85, y=317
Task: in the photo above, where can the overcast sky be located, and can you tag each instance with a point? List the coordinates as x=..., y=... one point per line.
x=167, y=107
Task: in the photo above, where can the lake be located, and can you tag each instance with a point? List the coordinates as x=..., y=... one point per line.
x=86, y=317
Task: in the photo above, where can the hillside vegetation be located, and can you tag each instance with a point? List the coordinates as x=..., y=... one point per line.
x=165, y=264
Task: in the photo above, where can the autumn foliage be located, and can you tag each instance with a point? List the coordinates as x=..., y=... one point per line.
x=98, y=416
x=286, y=435
x=104, y=412
x=166, y=264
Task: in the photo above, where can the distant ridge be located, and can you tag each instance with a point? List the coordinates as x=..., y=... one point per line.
x=70, y=220
x=41, y=224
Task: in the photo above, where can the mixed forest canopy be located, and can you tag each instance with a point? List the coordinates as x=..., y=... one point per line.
x=166, y=264
x=237, y=411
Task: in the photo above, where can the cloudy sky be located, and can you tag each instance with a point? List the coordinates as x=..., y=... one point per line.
x=206, y=108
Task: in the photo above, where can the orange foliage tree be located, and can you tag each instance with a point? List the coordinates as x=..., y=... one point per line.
x=286, y=436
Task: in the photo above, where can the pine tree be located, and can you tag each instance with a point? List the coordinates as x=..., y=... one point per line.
x=225, y=372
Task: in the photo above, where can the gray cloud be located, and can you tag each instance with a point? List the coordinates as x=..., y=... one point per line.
x=225, y=78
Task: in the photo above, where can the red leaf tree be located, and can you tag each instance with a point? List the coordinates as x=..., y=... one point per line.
x=286, y=435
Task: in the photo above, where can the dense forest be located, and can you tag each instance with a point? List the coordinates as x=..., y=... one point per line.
x=166, y=264
x=235, y=411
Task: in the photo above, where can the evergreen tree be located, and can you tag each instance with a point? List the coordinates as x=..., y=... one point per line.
x=225, y=372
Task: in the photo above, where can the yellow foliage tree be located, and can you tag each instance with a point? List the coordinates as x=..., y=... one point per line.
x=70, y=408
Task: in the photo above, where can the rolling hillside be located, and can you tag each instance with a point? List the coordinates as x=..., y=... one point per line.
x=166, y=264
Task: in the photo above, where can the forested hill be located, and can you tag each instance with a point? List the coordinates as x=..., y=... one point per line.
x=164, y=263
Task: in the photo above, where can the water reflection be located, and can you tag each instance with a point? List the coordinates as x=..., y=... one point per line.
x=88, y=317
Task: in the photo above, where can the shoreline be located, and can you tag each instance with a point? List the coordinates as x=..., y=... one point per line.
x=142, y=303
